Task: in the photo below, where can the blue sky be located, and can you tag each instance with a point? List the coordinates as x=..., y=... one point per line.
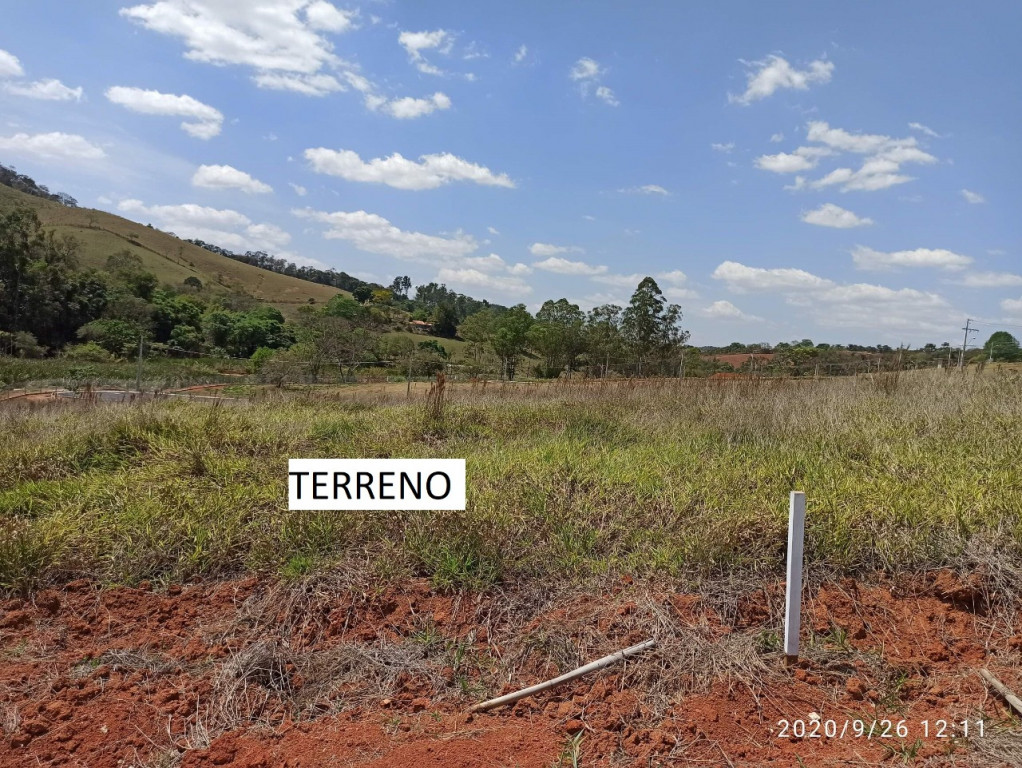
x=845, y=173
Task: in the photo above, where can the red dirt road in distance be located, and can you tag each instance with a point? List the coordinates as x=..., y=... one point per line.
x=363, y=677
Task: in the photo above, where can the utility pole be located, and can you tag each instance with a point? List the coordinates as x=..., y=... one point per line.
x=965, y=342
x=138, y=373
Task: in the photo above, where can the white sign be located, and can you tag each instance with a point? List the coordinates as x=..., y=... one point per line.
x=376, y=484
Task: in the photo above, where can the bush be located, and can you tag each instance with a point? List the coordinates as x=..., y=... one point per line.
x=90, y=352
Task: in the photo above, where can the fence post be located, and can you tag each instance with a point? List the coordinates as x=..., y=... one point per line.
x=793, y=591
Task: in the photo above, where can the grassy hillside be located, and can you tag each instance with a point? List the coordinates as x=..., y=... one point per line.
x=453, y=346
x=170, y=259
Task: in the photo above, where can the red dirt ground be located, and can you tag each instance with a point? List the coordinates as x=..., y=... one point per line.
x=124, y=677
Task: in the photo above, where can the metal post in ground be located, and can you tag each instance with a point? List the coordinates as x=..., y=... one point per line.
x=793, y=591
x=138, y=372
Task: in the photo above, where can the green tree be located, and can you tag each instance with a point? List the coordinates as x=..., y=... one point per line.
x=118, y=337
x=557, y=335
x=1002, y=346
x=650, y=325
x=603, y=335
x=477, y=330
x=363, y=293
x=445, y=321
x=510, y=338
x=41, y=290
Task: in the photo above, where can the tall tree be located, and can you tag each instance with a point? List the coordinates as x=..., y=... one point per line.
x=510, y=337
x=557, y=335
x=650, y=324
x=603, y=335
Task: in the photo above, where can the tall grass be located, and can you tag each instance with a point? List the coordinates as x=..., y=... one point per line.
x=688, y=479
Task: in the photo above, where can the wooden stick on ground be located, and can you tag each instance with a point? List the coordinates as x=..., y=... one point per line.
x=606, y=661
x=1002, y=689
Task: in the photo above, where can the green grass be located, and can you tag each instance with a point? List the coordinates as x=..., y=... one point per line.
x=453, y=346
x=684, y=480
x=170, y=259
x=157, y=373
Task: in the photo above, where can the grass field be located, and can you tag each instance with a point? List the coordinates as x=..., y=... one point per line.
x=681, y=479
x=170, y=259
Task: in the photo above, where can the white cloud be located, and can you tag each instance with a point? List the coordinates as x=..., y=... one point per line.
x=226, y=177
x=224, y=227
x=854, y=305
x=207, y=121
x=645, y=189
x=546, y=249
x=468, y=278
x=308, y=85
x=990, y=280
x=267, y=35
x=430, y=172
x=471, y=53
x=53, y=146
x=743, y=279
x=621, y=281
x=374, y=234
x=567, y=267
x=9, y=65
x=607, y=96
x=777, y=138
x=881, y=168
x=802, y=159
x=725, y=148
x=973, y=197
x=867, y=258
x=521, y=54
x=298, y=189
x=924, y=129
x=283, y=42
x=408, y=108
x=1012, y=306
x=773, y=73
x=329, y=18
x=725, y=310
x=585, y=69
x=587, y=73
x=830, y=215
x=47, y=90
x=674, y=277
x=417, y=42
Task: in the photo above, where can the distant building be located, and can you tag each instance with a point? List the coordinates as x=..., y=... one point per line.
x=421, y=325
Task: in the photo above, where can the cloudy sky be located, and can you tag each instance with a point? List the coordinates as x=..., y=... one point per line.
x=847, y=173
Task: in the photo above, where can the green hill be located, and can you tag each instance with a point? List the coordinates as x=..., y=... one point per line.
x=169, y=258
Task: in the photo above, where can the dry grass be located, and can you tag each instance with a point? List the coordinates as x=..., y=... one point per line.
x=681, y=479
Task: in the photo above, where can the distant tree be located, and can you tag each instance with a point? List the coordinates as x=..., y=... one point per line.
x=557, y=335
x=1002, y=346
x=510, y=337
x=650, y=324
x=382, y=296
x=477, y=329
x=432, y=345
x=445, y=321
x=193, y=282
x=401, y=286
x=118, y=337
x=363, y=293
x=603, y=335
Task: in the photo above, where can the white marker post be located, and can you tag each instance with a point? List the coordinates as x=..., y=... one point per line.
x=793, y=592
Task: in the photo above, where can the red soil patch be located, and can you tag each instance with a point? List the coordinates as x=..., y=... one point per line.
x=123, y=677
